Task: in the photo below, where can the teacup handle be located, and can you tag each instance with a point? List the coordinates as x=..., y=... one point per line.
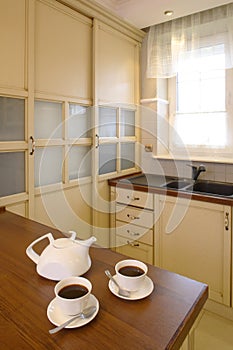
x=31, y=252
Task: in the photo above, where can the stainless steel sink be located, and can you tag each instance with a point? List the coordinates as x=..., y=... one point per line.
x=178, y=184
x=219, y=188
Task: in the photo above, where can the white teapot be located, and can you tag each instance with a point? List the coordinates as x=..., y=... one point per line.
x=63, y=257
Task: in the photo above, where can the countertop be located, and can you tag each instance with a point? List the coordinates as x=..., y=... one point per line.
x=158, y=322
x=154, y=184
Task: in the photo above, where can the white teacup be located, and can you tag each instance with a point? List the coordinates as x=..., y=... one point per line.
x=72, y=294
x=131, y=274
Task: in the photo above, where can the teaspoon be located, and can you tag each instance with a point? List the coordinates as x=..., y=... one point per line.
x=88, y=312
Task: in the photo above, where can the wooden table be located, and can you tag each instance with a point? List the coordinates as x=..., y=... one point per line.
x=160, y=321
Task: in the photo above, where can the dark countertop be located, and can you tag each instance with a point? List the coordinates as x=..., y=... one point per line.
x=154, y=184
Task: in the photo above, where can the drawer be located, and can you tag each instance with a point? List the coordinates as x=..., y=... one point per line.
x=133, y=232
x=135, y=198
x=141, y=217
x=135, y=250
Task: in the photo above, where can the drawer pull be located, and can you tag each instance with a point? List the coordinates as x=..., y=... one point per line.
x=227, y=221
x=134, y=234
x=133, y=244
x=133, y=198
x=132, y=217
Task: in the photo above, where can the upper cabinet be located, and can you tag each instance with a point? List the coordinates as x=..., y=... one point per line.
x=13, y=44
x=117, y=66
x=63, y=52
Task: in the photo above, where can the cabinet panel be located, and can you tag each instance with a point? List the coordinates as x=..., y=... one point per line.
x=116, y=68
x=135, y=249
x=199, y=247
x=134, y=215
x=133, y=232
x=135, y=198
x=62, y=51
x=12, y=38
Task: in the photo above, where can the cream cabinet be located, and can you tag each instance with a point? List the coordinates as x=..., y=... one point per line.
x=60, y=63
x=195, y=241
x=132, y=223
x=118, y=66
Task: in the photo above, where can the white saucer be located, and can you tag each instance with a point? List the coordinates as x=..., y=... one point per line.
x=56, y=316
x=143, y=292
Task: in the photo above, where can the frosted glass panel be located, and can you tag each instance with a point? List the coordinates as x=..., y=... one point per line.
x=127, y=123
x=107, y=158
x=107, y=122
x=12, y=174
x=48, y=120
x=79, y=162
x=127, y=155
x=48, y=166
x=12, y=121
x=79, y=123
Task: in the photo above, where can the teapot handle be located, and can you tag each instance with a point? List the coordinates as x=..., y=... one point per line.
x=31, y=252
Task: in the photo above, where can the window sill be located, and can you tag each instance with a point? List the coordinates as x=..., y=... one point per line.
x=214, y=159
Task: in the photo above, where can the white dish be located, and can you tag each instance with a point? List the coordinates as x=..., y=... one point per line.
x=143, y=292
x=56, y=316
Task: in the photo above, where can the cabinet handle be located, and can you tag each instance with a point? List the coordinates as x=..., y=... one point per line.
x=133, y=198
x=33, y=145
x=97, y=141
x=132, y=217
x=226, y=221
x=133, y=244
x=133, y=233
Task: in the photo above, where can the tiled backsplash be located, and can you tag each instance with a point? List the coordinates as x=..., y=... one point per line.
x=179, y=168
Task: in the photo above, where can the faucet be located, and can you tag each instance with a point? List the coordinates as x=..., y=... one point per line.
x=196, y=170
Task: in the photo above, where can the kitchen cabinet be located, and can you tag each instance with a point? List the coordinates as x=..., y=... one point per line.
x=117, y=66
x=198, y=244
x=69, y=61
x=59, y=59
x=132, y=223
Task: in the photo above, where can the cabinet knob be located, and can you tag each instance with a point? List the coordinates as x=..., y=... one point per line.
x=132, y=217
x=134, y=234
x=133, y=198
x=226, y=221
x=133, y=244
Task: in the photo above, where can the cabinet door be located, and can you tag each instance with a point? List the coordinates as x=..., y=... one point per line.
x=199, y=246
x=63, y=44
x=13, y=43
x=117, y=66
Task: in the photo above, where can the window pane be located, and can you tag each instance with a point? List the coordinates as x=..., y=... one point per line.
x=201, y=82
x=107, y=158
x=107, y=122
x=12, y=174
x=127, y=155
x=79, y=123
x=12, y=124
x=48, y=166
x=48, y=120
x=79, y=162
x=127, y=123
x=213, y=130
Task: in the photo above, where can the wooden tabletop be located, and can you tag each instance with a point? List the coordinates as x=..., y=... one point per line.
x=160, y=321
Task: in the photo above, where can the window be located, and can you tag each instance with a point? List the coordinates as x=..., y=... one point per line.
x=198, y=115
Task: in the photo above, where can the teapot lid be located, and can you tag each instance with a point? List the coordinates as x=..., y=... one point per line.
x=63, y=243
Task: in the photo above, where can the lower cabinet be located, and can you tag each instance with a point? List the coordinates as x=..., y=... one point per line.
x=132, y=224
x=195, y=241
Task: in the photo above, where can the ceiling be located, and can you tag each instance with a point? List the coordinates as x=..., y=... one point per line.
x=144, y=13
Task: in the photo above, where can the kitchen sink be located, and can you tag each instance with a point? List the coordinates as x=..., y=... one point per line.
x=178, y=184
x=219, y=188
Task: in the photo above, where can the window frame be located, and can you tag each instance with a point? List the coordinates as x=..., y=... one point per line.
x=202, y=151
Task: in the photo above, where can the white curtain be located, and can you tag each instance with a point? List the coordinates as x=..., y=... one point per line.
x=171, y=43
